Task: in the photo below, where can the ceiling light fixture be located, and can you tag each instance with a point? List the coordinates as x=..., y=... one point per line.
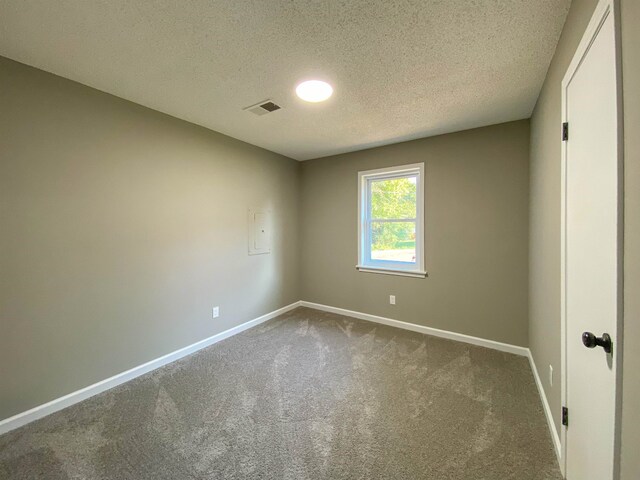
x=314, y=91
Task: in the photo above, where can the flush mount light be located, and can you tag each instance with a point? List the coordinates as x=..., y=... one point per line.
x=314, y=91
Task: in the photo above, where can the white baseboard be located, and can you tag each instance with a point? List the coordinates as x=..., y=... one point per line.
x=48, y=408
x=482, y=342
x=555, y=438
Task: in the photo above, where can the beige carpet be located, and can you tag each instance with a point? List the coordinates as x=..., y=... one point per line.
x=308, y=395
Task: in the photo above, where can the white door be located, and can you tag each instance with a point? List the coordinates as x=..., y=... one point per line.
x=591, y=251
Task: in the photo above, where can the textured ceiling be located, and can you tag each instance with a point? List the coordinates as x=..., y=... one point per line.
x=401, y=69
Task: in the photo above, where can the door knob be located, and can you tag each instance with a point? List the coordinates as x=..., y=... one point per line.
x=591, y=341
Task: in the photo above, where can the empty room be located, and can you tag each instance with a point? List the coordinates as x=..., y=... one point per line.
x=320, y=239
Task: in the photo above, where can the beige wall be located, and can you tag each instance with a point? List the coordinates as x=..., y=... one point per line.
x=544, y=208
x=630, y=465
x=120, y=229
x=476, y=197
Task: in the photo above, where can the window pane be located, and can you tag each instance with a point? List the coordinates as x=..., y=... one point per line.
x=393, y=198
x=393, y=241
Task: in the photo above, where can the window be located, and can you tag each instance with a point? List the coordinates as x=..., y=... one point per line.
x=391, y=230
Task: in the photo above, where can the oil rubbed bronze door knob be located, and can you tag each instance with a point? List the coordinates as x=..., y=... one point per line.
x=589, y=340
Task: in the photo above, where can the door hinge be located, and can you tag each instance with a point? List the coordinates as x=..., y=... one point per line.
x=565, y=131
x=565, y=416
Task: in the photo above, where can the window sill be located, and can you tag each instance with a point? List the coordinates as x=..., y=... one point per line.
x=391, y=271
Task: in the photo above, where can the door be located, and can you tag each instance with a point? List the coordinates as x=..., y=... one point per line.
x=591, y=251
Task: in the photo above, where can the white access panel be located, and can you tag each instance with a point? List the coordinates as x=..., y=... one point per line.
x=259, y=231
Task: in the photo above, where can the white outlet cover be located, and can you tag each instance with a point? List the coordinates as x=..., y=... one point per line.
x=392, y=299
x=551, y=375
x=216, y=312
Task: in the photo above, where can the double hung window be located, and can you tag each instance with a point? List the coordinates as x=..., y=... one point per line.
x=391, y=220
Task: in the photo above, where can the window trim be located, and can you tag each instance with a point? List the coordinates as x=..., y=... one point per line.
x=390, y=267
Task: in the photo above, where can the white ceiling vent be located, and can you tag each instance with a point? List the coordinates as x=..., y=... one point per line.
x=262, y=108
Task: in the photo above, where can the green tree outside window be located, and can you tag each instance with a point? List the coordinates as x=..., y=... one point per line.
x=393, y=199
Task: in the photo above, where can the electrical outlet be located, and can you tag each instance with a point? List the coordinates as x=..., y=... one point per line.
x=216, y=312
x=551, y=375
x=392, y=299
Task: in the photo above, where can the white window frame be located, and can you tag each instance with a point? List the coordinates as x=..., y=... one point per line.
x=365, y=263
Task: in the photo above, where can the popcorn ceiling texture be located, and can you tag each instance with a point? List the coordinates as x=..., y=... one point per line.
x=308, y=395
x=401, y=69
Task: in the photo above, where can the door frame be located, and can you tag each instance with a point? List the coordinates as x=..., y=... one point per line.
x=603, y=10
